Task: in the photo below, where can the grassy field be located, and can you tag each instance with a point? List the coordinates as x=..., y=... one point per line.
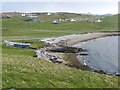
x=22, y=70
x=19, y=28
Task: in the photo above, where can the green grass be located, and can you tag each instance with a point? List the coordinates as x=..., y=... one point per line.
x=22, y=70
x=17, y=27
x=29, y=72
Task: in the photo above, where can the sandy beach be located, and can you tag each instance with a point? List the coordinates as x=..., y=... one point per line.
x=86, y=37
x=70, y=40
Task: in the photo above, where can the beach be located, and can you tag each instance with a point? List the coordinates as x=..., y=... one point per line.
x=69, y=58
x=86, y=37
x=70, y=40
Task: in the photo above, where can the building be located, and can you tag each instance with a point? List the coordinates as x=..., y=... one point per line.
x=98, y=20
x=23, y=15
x=48, y=13
x=32, y=15
x=73, y=20
x=56, y=21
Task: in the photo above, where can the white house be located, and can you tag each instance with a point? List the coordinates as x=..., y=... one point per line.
x=32, y=15
x=73, y=20
x=48, y=13
x=56, y=21
x=23, y=15
x=98, y=20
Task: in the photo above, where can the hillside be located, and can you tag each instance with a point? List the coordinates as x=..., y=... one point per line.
x=22, y=70
x=18, y=27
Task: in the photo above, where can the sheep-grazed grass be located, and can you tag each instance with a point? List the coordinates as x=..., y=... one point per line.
x=21, y=70
x=30, y=72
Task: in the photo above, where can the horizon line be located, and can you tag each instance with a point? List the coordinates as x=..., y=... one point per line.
x=56, y=12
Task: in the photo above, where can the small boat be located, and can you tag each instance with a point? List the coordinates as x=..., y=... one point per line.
x=22, y=45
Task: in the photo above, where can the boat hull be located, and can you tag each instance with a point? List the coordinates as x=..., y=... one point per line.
x=22, y=45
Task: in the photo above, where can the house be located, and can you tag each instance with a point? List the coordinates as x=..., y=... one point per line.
x=23, y=14
x=73, y=20
x=67, y=20
x=32, y=15
x=98, y=20
x=56, y=21
x=48, y=13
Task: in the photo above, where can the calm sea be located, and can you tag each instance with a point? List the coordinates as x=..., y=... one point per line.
x=102, y=54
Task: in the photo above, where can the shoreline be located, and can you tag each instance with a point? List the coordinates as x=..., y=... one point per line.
x=70, y=40
x=69, y=59
x=87, y=37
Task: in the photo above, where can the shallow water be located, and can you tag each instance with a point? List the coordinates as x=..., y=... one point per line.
x=102, y=54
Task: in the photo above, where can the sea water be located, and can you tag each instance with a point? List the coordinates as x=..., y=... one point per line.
x=102, y=54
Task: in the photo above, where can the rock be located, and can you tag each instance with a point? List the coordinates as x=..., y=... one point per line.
x=83, y=54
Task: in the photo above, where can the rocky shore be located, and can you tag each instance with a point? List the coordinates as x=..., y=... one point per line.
x=70, y=40
x=60, y=50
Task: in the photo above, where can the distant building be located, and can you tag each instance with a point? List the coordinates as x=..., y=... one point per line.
x=48, y=13
x=66, y=20
x=56, y=21
x=73, y=20
x=60, y=19
x=32, y=15
x=23, y=15
x=98, y=20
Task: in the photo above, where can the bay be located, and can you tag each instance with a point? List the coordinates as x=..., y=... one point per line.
x=102, y=54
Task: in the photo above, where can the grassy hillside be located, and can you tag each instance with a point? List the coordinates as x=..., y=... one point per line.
x=68, y=16
x=27, y=72
x=22, y=70
x=18, y=27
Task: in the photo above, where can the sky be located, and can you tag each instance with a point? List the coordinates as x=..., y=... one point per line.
x=93, y=7
x=59, y=0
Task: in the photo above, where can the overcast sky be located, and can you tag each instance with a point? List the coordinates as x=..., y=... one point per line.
x=60, y=0
x=77, y=7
